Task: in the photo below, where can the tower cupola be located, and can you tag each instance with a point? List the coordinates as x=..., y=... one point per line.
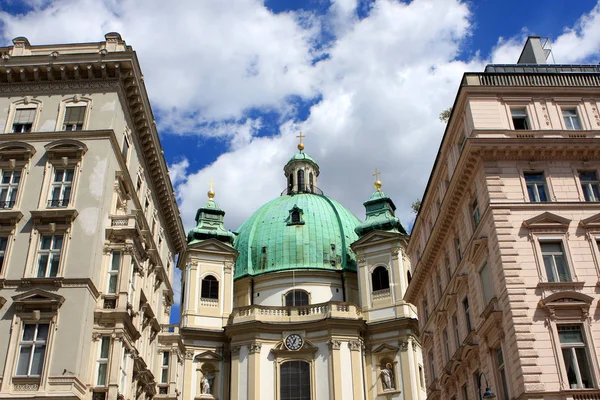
x=209, y=223
x=301, y=172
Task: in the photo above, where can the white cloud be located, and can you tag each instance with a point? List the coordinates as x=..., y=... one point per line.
x=178, y=171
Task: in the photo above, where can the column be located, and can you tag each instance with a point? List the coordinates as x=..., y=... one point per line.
x=254, y=371
x=357, y=370
x=335, y=387
x=188, y=390
x=409, y=379
x=235, y=373
x=115, y=362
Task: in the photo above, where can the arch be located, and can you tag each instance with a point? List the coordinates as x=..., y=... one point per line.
x=75, y=119
x=66, y=144
x=297, y=297
x=30, y=119
x=210, y=287
x=20, y=147
x=294, y=380
x=300, y=180
x=380, y=279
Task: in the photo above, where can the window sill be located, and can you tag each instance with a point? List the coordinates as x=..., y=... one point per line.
x=26, y=383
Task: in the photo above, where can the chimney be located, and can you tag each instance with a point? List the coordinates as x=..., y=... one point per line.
x=534, y=51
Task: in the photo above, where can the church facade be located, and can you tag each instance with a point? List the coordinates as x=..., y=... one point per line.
x=304, y=301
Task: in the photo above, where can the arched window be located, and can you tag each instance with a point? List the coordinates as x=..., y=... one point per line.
x=408, y=276
x=296, y=298
x=300, y=180
x=380, y=279
x=295, y=380
x=311, y=182
x=290, y=183
x=210, y=288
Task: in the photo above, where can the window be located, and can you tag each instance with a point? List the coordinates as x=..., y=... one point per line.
x=9, y=187
x=23, y=120
x=74, y=117
x=575, y=356
x=290, y=183
x=448, y=270
x=3, y=243
x=295, y=217
x=589, y=185
x=61, y=187
x=555, y=262
x=519, y=119
x=296, y=298
x=295, y=380
x=458, y=250
x=446, y=344
x=425, y=310
x=138, y=183
x=571, y=119
x=103, y=361
x=49, y=255
x=432, y=365
x=475, y=215
x=32, y=349
x=210, y=288
x=536, y=186
x=311, y=182
x=456, y=330
x=501, y=370
x=113, y=272
x=486, y=282
x=421, y=377
x=125, y=151
x=380, y=279
x=300, y=180
x=438, y=280
x=465, y=392
x=164, y=368
x=123, y=372
x=467, y=314
x=131, y=292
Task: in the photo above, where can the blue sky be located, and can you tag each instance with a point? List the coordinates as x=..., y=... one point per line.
x=233, y=82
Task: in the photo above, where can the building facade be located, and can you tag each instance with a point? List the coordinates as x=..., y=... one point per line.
x=304, y=301
x=89, y=228
x=505, y=249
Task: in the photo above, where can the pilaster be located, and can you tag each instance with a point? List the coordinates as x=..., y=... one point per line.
x=235, y=372
x=254, y=371
x=335, y=389
x=409, y=374
x=188, y=390
x=356, y=347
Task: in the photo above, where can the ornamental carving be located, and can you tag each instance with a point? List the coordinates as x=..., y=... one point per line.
x=59, y=86
x=355, y=345
x=189, y=355
x=235, y=350
x=415, y=346
x=228, y=266
x=254, y=347
x=96, y=336
x=26, y=387
x=403, y=345
x=334, y=344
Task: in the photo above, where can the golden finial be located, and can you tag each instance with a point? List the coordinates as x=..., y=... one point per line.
x=300, y=145
x=211, y=193
x=377, y=183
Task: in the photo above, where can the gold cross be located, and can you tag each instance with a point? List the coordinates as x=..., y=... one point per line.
x=211, y=183
x=301, y=136
x=376, y=174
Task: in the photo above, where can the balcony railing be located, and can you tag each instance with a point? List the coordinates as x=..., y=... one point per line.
x=380, y=294
x=58, y=203
x=532, y=79
x=169, y=328
x=7, y=205
x=531, y=134
x=311, y=312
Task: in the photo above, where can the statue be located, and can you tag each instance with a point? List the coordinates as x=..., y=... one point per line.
x=206, y=382
x=387, y=377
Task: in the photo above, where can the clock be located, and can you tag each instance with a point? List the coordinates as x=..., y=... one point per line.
x=294, y=342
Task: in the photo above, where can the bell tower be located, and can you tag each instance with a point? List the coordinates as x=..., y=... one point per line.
x=207, y=285
x=301, y=172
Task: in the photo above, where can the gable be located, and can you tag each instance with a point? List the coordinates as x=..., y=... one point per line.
x=212, y=245
x=547, y=220
x=375, y=237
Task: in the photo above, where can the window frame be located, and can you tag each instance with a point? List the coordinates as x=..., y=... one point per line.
x=11, y=188
x=311, y=374
x=585, y=344
x=386, y=273
x=62, y=184
x=114, y=273
x=527, y=118
x=293, y=292
x=62, y=154
x=545, y=186
x=538, y=239
x=579, y=113
x=475, y=213
x=486, y=266
x=165, y=367
x=50, y=252
x=74, y=101
x=580, y=186
x=24, y=103
x=210, y=289
x=33, y=346
x=100, y=361
x=501, y=375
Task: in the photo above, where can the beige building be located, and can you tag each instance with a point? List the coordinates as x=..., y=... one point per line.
x=304, y=302
x=505, y=248
x=89, y=228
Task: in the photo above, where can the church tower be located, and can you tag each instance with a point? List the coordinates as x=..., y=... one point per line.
x=207, y=287
x=394, y=358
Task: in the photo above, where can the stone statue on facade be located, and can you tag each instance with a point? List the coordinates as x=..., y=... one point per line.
x=206, y=382
x=387, y=377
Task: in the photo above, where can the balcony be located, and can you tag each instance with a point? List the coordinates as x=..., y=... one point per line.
x=309, y=313
x=533, y=79
x=535, y=134
x=7, y=205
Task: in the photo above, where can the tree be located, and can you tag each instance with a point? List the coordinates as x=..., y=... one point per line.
x=445, y=115
x=416, y=206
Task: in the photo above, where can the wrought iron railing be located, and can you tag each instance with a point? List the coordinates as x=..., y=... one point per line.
x=532, y=79
x=58, y=203
x=307, y=189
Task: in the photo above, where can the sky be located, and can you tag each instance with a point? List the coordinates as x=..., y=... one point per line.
x=232, y=83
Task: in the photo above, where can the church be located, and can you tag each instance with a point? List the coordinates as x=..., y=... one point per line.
x=304, y=301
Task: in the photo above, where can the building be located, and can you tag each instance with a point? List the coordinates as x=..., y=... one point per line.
x=304, y=301
x=89, y=228
x=505, y=252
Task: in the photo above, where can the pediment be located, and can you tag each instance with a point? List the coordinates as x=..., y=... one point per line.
x=208, y=356
x=591, y=222
x=376, y=237
x=212, y=245
x=478, y=247
x=38, y=299
x=281, y=351
x=385, y=348
x=547, y=220
x=566, y=299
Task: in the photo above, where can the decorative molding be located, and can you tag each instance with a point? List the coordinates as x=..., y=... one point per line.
x=58, y=87
x=189, y=355
x=254, y=347
x=355, y=345
x=403, y=345
x=235, y=350
x=334, y=344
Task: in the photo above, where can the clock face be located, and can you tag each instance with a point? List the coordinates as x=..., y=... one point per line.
x=294, y=342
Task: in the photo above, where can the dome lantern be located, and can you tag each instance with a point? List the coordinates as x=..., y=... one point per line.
x=301, y=172
x=209, y=222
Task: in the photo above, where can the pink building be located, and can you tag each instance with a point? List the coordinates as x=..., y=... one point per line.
x=505, y=249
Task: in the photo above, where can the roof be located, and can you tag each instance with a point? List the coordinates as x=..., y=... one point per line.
x=300, y=156
x=319, y=238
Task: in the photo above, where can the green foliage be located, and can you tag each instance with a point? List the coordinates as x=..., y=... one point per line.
x=416, y=206
x=445, y=115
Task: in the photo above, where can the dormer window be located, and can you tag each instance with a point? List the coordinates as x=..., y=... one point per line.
x=296, y=216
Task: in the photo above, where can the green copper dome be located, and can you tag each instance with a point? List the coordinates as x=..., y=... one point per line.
x=297, y=231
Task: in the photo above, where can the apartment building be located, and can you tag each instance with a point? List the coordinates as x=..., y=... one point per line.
x=89, y=228
x=505, y=248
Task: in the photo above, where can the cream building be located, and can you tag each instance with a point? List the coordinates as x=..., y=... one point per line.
x=304, y=301
x=505, y=248
x=89, y=228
